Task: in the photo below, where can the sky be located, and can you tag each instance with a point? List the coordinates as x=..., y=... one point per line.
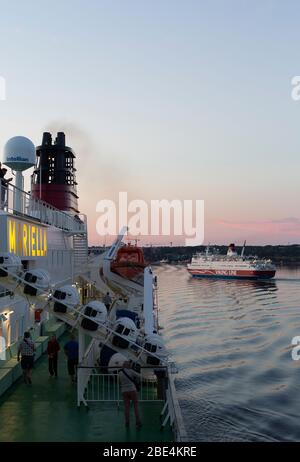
x=165, y=99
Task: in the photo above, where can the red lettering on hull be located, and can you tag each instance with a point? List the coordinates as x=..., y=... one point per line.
x=255, y=274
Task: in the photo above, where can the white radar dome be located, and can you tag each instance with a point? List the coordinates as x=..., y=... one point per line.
x=19, y=153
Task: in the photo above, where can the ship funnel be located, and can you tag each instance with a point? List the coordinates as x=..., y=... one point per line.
x=54, y=178
x=60, y=139
x=47, y=139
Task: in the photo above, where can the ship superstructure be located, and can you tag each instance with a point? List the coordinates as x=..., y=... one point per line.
x=37, y=239
x=49, y=284
x=211, y=264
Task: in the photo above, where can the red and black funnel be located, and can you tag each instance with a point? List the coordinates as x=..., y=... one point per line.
x=54, y=179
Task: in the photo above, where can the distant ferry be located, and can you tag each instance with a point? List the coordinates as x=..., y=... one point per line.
x=232, y=265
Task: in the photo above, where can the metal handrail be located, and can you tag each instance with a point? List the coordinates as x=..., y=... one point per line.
x=174, y=411
x=98, y=387
x=119, y=367
x=94, y=386
x=22, y=203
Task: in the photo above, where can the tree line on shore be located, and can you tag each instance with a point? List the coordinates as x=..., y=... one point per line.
x=280, y=254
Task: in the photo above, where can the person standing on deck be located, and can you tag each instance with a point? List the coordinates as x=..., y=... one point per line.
x=128, y=381
x=107, y=300
x=52, y=351
x=26, y=350
x=71, y=349
x=3, y=185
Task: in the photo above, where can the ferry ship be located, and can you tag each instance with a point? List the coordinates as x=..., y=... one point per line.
x=50, y=285
x=232, y=265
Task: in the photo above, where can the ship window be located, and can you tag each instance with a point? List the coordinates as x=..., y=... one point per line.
x=122, y=330
x=119, y=329
x=68, y=162
x=25, y=264
x=30, y=278
x=90, y=312
x=151, y=348
x=69, y=178
x=59, y=295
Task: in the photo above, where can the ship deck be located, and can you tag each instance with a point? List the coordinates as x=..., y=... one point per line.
x=47, y=412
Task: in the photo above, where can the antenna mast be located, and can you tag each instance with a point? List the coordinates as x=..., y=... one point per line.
x=243, y=249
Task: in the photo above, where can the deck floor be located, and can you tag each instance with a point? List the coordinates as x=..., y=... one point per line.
x=47, y=411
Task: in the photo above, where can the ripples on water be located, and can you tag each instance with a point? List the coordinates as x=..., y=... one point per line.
x=231, y=340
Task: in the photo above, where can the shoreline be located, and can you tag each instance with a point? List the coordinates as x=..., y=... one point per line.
x=288, y=255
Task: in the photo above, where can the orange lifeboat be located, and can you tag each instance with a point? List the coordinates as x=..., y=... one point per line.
x=129, y=263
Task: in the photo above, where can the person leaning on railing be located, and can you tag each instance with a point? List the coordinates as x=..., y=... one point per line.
x=130, y=385
x=4, y=184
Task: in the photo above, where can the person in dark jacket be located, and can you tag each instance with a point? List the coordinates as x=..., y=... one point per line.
x=71, y=349
x=52, y=351
x=26, y=351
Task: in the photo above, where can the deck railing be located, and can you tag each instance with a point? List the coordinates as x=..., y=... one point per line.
x=96, y=386
x=18, y=202
x=172, y=412
x=85, y=371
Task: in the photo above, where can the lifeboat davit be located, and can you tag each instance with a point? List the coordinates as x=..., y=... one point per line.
x=129, y=263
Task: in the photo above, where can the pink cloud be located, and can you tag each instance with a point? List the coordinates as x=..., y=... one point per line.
x=277, y=231
x=285, y=226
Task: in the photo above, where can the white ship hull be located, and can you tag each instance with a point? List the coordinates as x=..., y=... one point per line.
x=232, y=265
x=232, y=273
